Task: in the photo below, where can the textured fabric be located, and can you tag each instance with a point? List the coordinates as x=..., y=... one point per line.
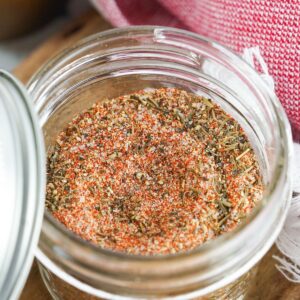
x=273, y=25
x=288, y=241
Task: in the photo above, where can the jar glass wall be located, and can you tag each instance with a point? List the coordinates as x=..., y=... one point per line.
x=122, y=61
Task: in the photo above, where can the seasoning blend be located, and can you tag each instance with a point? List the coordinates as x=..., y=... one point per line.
x=155, y=172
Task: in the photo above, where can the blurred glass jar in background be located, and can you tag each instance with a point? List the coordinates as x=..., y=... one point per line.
x=18, y=17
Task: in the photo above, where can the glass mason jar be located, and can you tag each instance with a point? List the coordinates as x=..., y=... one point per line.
x=121, y=61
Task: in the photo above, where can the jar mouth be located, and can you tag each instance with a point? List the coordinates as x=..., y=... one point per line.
x=280, y=171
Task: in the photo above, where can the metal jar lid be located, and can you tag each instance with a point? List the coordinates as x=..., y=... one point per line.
x=22, y=185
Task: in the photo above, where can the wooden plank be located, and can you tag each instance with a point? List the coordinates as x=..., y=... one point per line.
x=35, y=288
x=269, y=283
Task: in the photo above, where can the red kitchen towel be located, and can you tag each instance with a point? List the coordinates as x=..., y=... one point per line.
x=273, y=25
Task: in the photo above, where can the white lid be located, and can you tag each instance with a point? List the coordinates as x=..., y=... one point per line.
x=22, y=185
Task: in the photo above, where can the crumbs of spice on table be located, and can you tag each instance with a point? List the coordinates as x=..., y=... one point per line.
x=158, y=171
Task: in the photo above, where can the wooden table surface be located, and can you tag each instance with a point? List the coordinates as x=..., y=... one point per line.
x=269, y=283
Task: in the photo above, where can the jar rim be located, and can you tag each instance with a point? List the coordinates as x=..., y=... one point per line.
x=281, y=171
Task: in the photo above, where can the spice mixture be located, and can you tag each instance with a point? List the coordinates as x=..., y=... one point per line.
x=155, y=172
